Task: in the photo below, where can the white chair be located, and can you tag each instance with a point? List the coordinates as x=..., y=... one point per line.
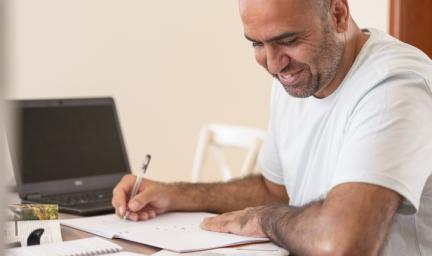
x=214, y=137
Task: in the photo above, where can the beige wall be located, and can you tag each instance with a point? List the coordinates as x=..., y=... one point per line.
x=172, y=66
x=371, y=13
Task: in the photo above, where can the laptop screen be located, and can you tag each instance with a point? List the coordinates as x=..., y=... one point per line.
x=67, y=140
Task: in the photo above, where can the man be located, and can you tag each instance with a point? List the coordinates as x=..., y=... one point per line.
x=347, y=164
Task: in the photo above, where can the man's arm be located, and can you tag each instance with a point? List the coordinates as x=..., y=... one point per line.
x=156, y=197
x=352, y=220
x=223, y=197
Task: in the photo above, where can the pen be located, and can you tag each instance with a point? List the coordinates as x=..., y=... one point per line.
x=137, y=183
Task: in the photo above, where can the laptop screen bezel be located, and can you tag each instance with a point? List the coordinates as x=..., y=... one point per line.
x=72, y=184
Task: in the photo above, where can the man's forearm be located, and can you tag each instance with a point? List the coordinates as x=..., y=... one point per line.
x=222, y=196
x=288, y=226
x=307, y=231
x=353, y=220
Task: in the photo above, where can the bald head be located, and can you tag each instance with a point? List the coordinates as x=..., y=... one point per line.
x=321, y=7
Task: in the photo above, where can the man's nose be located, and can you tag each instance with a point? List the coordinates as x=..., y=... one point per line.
x=277, y=60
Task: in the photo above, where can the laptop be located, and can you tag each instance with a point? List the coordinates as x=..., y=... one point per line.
x=68, y=152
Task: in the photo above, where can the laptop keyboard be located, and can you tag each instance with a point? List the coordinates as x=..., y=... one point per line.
x=72, y=199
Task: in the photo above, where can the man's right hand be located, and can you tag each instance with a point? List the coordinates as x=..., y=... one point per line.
x=153, y=198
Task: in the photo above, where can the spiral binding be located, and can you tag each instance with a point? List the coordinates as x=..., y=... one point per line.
x=95, y=253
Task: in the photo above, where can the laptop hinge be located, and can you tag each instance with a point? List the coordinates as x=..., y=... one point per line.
x=33, y=196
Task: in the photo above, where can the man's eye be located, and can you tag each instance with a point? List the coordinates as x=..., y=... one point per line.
x=256, y=44
x=288, y=42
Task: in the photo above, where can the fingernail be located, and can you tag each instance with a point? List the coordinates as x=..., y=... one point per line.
x=121, y=210
x=134, y=205
x=152, y=214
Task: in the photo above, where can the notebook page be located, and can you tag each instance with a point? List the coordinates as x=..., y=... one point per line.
x=105, y=225
x=181, y=232
x=86, y=246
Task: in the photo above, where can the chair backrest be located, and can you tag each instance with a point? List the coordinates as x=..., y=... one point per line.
x=214, y=137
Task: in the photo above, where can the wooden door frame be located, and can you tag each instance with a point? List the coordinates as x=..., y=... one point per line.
x=409, y=22
x=397, y=14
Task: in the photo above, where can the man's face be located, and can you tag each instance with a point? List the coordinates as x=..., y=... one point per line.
x=293, y=42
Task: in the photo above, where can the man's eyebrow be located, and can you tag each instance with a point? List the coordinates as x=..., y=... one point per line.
x=275, y=38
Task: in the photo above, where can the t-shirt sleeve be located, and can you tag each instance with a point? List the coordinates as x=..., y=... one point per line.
x=268, y=158
x=388, y=140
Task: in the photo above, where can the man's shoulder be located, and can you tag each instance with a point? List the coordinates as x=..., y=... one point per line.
x=386, y=61
x=385, y=56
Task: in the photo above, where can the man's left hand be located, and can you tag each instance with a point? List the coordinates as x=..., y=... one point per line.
x=244, y=222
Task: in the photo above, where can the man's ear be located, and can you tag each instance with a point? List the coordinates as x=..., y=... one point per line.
x=339, y=11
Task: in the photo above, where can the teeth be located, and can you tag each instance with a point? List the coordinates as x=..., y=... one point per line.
x=290, y=78
x=287, y=75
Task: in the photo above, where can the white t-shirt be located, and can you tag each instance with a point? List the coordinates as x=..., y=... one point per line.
x=375, y=128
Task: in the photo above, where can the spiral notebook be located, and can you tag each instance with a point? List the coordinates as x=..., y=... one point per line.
x=84, y=247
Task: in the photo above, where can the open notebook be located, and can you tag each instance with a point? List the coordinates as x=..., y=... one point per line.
x=177, y=231
x=83, y=247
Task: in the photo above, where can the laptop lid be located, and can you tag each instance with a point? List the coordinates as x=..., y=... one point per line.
x=67, y=145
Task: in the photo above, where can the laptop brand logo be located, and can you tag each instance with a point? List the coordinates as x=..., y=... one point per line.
x=78, y=183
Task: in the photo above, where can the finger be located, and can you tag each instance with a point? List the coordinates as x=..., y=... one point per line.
x=143, y=216
x=140, y=201
x=121, y=192
x=118, y=213
x=133, y=216
x=207, y=220
x=217, y=224
x=119, y=210
x=152, y=214
x=148, y=212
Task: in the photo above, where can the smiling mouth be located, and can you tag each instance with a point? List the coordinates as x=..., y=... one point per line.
x=290, y=79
